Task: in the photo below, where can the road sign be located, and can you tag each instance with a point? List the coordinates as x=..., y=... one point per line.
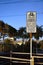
x=31, y=22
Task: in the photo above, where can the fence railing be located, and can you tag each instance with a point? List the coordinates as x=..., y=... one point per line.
x=23, y=60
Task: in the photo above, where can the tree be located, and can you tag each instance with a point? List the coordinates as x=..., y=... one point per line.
x=2, y=27
x=7, y=45
x=38, y=32
x=22, y=33
x=42, y=29
x=12, y=31
x=6, y=29
x=41, y=44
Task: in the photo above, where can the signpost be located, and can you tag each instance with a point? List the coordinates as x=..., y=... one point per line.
x=31, y=22
x=31, y=28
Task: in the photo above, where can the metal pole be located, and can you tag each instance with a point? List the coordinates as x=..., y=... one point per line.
x=31, y=48
x=30, y=45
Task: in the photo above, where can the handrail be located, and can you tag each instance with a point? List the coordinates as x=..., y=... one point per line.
x=20, y=62
x=14, y=58
x=25, y=53
x=38, y=56
x=19, y=53
x=38, y=62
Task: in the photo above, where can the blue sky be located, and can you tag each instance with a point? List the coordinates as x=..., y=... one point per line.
x=14, y=12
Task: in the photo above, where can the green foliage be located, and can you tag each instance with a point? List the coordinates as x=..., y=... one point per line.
x=1, y=47
x=22, y=33
x=5, y=28
x=38, y=32
x=7, y=45
x=41, y=44
x=2, y=26
x=26, y=47
x=12, y=31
